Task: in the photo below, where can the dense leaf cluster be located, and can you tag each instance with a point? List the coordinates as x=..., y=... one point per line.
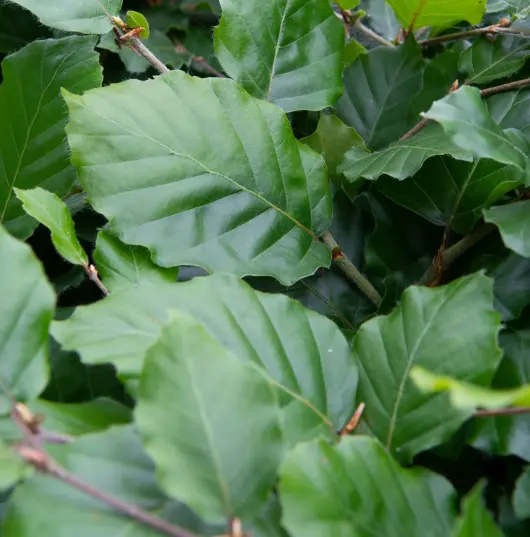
x=265, y=268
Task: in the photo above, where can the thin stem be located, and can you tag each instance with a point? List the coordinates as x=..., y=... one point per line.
x=518, y=84
x=456, y=35
x=371, y=34
x=181, y=49
x=350, y=270
x=417, y=128
x=501, y=412
x=93, y=276
x=143, y=51
x=457, y=250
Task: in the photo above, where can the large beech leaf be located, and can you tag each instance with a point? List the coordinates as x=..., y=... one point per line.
x=83, y=16
x=26, y=311
x=485, y=61
x=450, y=330
x=511, y=110
x=202, y=159
x=452, y=193
x=378, y=88
x=33, y=116
x=513, y=221
x=316, y=366
x=475, y=519
x=465, y=118
x=113, y=462
x=288, y=52
x=121, y=266
x=193, y=422
x=417, y=13
x=402, y=159
x=356, y=488
x=52, y=212
x=382, y=18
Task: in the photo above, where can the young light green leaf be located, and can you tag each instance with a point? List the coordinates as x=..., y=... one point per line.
x=315, y=371
x=26, y=311
x=50, y=210
x=378, y=88
x=459, y=194
x=228, y=176
x=485, y=60
x=401, y=159
x=513, y=221
x=357, y=488
x=475, y=519
x=414, y=14
x=451, y=330
x=466, y=120
x=193, y=424
x=121, y=266
x=33, y=151
x=468, y=396
x=288, y=52
x=137, y=20
x=348, y=4
x=83, y=16
x=521, y=495
x=352, y=51
x=112, y=462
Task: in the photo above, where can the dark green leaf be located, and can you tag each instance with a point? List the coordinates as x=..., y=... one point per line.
x=137, y=20
x=224, y=151
x=449, y=192
x=382, y=18
x=83, y=16
x=513, y=221
x=26, y=311
x=288, y=52
x=51, y=211
x=316, y=366
x=357, y=488
x=521, y=495
x=450, y=330
x=485, y=61
x=190, y=415
x=33, y=150
x=121, y=266
x=378, y=88
x=511, y=110
x=18, y=27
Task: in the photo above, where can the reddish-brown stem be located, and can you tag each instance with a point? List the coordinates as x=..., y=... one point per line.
x=93, y=276
x=512, y=411
x=197, y=59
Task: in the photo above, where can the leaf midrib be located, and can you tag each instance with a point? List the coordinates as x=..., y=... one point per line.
x=277, y=50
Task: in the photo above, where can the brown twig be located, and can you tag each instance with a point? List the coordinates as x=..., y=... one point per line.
x=500, y=27
x=417, y=128
x=181, y=49
x=371, y=34
x=93, y=276
x=350, y=270
x=511, y=411
x=352, y=424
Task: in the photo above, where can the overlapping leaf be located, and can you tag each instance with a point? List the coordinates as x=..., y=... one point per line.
x=521, y=495
x=382, y=18
x=417, y=13
x=511, y=110
x=121, y=266
x=202, y=159
x=193, y=423
x=513, y=221
x=32, y=146
x=316, y=366
x=357, y=488
x=26, y=311
x=83, y=16
x=436, y=329
x=18, y=27
x=288, y=52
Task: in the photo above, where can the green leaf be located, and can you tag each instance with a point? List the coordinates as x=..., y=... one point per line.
x=475, y=519
x=137, y=20
x=225, y=151
x=315, y=370
x=382, y=18
x=113, y=462
x=467, y=396
x=83, y=16
x=26, y=311
x=288, y=52
x=414, y=14
x=33, y=151
x=51, y=211
x=450, y=330
x=348, y=4
x=378, y=88
x=466, y=120
x=401, y=159
x=458, y=195
x=12, y=467
x=485, y=61
x=521, y=495
x=513, y=221
x=332, y=139
x=352, y=51
x=190, y=415
x=121, y=266
x=357, y=488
